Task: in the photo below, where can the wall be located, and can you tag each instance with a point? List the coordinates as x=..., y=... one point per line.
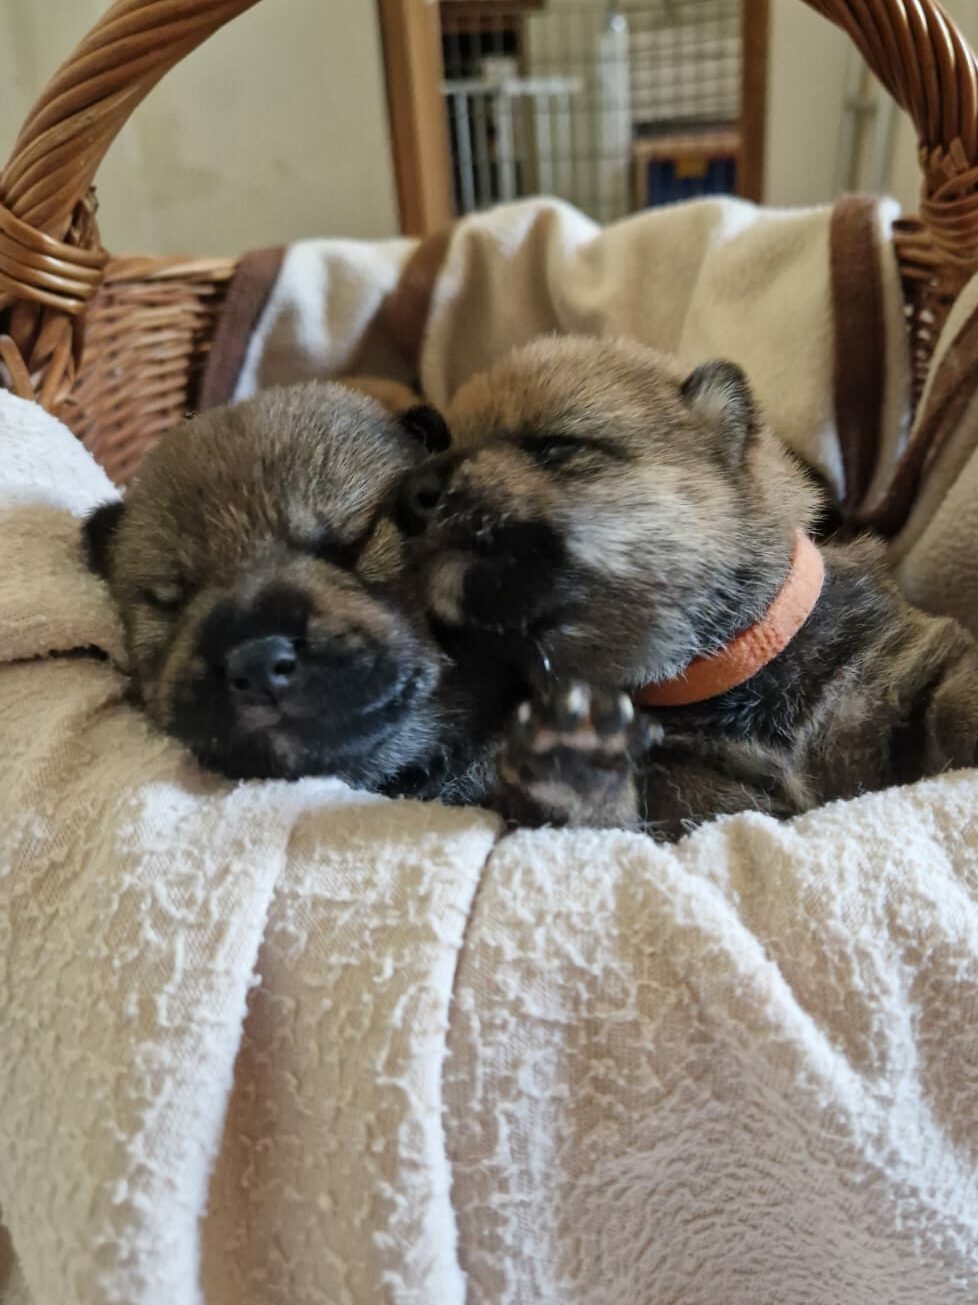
x=806, y=81
x=806, y=75
x=274, y=129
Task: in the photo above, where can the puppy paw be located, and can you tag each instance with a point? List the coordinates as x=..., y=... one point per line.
x=569, y=757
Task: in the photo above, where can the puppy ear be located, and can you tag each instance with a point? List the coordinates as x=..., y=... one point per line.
x=720, y=394
x=98, y=532
x=426, y=425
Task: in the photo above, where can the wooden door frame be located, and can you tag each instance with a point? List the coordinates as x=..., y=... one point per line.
x=411, y=36
x=754, y=33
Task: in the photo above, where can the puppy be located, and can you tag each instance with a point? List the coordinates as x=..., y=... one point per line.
x=391, y=395
x=272, y=622
x=627, y=526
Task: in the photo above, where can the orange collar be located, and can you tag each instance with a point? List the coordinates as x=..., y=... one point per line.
x=747, y=652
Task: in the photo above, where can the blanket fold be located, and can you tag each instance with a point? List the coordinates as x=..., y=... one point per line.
x=736, y=1070
x=934, y=496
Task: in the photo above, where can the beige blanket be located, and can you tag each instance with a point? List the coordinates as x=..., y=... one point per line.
x=935, y=550
x=807, y=301
x=270, y=1044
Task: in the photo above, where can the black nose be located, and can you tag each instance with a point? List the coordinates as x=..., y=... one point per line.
x=421, y=492
x=264, y=667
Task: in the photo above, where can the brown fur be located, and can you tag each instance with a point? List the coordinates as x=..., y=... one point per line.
x=392, y=395
x=269, y=521
x=613, y=518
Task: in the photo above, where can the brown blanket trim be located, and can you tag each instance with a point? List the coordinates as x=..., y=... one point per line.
x=404, y=312
x=247, y=296
x=860, y=340
x=951, y=392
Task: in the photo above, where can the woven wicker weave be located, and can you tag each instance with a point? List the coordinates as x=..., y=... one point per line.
x=115, y=346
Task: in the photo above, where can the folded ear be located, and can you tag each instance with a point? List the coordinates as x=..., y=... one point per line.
x=97, y=534
x=720, y=394
x=426, y=425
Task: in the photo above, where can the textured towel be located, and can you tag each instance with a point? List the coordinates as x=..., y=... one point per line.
x=741, y=1070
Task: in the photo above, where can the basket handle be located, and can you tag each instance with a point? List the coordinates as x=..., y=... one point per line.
x=51, y=260
x=83, y=107
x=920, y=56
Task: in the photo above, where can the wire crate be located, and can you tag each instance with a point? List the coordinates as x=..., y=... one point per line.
x=563, y=96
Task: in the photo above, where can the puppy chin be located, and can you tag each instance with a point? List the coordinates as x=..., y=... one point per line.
x=280, y=753
x=284, y=757
x=360, y=742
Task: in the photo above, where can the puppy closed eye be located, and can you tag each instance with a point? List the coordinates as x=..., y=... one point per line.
x=571, y=451
x=166, y=596
x=554, y=450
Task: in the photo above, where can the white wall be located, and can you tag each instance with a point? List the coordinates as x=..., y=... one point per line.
x=806, y=75
x=275, y=128
x=806, y=80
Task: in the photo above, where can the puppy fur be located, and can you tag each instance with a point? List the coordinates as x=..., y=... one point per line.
x=391, y=395
x=610, y=518
x=272, y=620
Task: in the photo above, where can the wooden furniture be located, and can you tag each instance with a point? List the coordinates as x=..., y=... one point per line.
x=755, y=21
x=696, y=149
x=411, y=34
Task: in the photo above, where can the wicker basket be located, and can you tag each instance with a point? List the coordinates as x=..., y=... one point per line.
x=115, y=346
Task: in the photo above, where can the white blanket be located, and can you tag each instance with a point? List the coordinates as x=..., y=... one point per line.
x=274, y=1044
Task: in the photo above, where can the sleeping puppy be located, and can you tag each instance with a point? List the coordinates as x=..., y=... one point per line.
x=627, y=526
x=272, y=623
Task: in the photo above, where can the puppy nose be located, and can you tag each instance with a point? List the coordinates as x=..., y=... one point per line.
x=263, y=666
x=421, y=492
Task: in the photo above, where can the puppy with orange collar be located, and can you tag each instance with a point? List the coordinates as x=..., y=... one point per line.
x=627, y=526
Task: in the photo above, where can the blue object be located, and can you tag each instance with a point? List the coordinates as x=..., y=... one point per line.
x=670, y=180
